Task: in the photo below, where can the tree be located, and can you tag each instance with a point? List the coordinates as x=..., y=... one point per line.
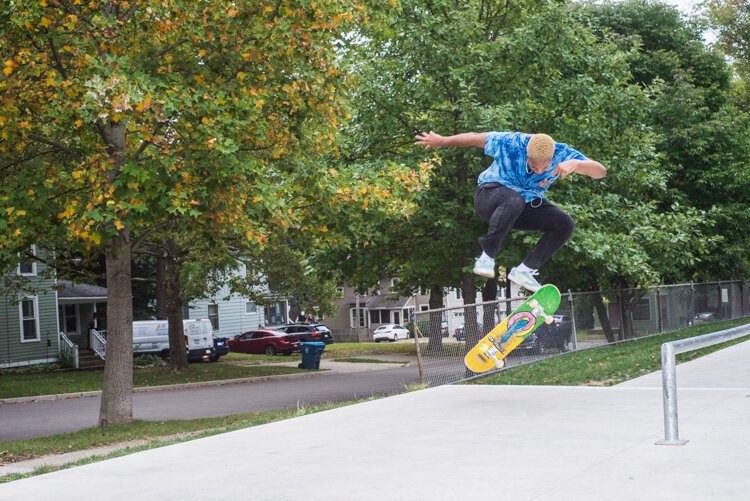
x=117, y=115
x=730, y=18
x=701, y=130
x=534, y=66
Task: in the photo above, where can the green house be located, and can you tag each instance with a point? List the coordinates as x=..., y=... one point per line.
x=28, y=322
x=36, y=327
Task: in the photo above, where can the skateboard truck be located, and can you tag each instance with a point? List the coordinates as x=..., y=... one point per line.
x=538, y=311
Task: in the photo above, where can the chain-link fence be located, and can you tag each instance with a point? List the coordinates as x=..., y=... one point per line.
x=583, y=320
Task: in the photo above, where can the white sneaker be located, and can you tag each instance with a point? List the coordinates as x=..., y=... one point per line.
x=484, y=267
x=524, y=279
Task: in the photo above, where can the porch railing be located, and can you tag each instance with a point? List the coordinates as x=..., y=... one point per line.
x=98, y=343
x=68, y=349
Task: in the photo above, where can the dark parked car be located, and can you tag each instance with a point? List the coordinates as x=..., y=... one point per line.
x=309, y=332
x=460, y=334
x=706, y=317
x=264, y=341
x=549, y=336
x=221, y=348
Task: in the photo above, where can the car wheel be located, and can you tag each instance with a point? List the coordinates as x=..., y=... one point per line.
x=270, y=350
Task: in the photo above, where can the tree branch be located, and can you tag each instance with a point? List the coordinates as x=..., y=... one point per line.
x=59, y=146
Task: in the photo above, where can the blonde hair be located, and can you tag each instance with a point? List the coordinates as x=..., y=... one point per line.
x=541, y=147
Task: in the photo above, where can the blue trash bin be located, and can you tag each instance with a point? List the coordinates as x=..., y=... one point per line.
x=311, y=353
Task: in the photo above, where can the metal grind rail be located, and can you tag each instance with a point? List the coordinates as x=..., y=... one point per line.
x=669, y=374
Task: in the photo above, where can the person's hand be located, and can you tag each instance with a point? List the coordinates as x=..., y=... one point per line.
x=428, y=139
x=564, y=169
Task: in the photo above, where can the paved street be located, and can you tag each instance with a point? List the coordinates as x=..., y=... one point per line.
x=36, y=419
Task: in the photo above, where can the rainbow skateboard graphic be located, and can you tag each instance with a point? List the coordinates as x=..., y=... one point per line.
x=490, y=352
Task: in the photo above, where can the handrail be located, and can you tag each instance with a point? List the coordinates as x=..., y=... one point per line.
x=669, y=374
x=68, y=349
x=98, y=343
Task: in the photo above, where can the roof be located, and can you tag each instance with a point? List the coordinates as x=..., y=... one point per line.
x=386, y=302
x=69, y=290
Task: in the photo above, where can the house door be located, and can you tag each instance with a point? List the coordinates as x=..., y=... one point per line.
x=69, y=319
x=396, y=317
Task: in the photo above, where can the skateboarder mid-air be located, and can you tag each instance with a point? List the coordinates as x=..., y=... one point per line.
x=511, y=193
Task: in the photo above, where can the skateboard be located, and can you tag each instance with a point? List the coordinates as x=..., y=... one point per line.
x=490, y=352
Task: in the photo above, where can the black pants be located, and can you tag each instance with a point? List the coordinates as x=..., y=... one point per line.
x=504, y=209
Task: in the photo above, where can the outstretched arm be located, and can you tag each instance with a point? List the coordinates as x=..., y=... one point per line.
x=432, y=140
x=590, y=168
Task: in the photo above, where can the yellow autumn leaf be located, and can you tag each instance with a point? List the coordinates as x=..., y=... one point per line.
x=78, y=123
x=119, y=225
x=96, y=238
x=44, y=22
x=201, y=53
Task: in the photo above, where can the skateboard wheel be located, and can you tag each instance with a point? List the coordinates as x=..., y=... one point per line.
x=533, y=303
x=548, y=319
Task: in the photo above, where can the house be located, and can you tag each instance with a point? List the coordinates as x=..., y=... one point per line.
x=28, y=321
x=380, y=307
x=369, y=311
x=232, y=314
x=36, y=326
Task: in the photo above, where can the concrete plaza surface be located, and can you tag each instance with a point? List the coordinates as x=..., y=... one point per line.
x=456, y=443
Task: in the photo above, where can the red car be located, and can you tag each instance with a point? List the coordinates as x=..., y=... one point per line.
x=264, y=341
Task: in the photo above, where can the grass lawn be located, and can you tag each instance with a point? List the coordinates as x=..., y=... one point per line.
x=611, y=364
x=342, y=350
x=54, y=382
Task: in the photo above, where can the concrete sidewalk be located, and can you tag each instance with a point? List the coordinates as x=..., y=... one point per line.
x=459, y=442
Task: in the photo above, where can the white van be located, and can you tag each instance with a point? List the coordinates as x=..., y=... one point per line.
x=152, y=337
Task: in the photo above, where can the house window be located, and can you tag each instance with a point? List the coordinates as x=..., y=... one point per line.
x=424, y=307
x=213, y=315
x=394, y=283
x=380, y=317
x=458, y=293
x=27, y=266
x=642, y=310
x=29, y=320
x=251, y=307
x=353, y=317
x=186, y=311
x=339, y=292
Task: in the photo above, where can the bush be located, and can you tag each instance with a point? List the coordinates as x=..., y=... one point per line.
x=30, y=369
x=148, y=361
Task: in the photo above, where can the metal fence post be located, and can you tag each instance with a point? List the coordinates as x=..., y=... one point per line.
x=659, y=320
x=574, y=333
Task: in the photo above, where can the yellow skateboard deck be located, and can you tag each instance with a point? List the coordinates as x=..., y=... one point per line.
x=490, y=352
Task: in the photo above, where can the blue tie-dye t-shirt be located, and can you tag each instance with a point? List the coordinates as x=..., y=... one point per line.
x=511, y=169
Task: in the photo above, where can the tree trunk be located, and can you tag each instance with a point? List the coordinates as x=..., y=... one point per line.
x=177, y=346
x=117, y=388
x=601, y=311
x=471, y=326
x=489, y=294
x=161, y=306
x=436, y=319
